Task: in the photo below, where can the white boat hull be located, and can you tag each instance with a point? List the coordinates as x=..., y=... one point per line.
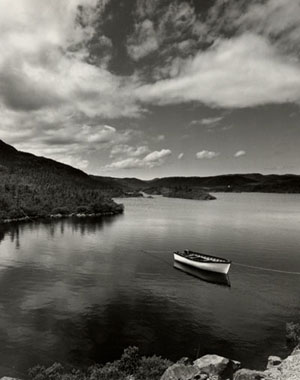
x=209, y=266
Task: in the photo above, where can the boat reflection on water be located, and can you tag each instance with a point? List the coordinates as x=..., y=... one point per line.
x=215, y=278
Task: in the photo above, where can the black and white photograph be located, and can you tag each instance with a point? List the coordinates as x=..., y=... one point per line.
x=149, y=189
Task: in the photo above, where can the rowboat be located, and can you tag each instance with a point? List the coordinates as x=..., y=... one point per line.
x=202, y=261
x=204, y=275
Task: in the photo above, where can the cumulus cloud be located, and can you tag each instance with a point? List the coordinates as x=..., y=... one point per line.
x=129, y=151
x=206, y=154
x=71, y=143
x=177, y=19
x=143, y=42
x=151, y=160
x=56, y=95
x=50, y=95
x=239, y=153
x=278, y=20
x=207, y=121
x=157, y=155
x=162, y=28
x=239, y=72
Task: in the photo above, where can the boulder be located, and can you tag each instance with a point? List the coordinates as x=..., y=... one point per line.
x=236, y=365
x=249, y=374
x=182, y=372
x=212, y=364
x=273, y=373
x=290, y=367
x=184, y=360
x=296, y=351
x=217, y=365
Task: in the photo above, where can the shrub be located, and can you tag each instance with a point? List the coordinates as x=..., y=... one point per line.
x=152, y=368
x=61, y=210
x=130, y=360
x=130, y=364
x=82, y=210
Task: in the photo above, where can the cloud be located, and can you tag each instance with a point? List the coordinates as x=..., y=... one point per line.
x=52, y=100
x=129, y=151
x=151, y=160
x=180, y=156
x=206, y=154
x=62, y=82
x=207, y=121
x=72, y=142
x=161, y=137
x=143, y=42
x=177, y=19
x=240, y=72
x=157, y=155
x=146, y=8
x=162, y=28
x=43, y=60
x=278, y=20
x=240, y=153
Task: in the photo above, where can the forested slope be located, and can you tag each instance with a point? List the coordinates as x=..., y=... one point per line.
x=36, y=186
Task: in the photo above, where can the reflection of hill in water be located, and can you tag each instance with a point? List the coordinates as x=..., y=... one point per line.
x=101, y=332
x=56, y=226
x=215, y=278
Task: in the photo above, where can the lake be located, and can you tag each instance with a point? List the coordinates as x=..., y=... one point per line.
x=80, y=291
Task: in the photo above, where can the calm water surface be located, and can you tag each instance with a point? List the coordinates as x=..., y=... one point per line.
x=81, y=291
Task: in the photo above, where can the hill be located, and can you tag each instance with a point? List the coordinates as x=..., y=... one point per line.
x=254, y=182
x=32, y=186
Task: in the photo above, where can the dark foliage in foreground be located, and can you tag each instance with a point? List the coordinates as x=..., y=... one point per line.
x=32, y=186
x=130, y=364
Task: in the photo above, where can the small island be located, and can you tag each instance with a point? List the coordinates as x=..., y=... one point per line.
x=182, y=192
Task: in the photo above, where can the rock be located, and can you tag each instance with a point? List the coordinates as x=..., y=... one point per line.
x=249, y=374
x=185, y=360
x=290, y=367
x=296, y=351
x=236, y=365
x=287, y=369
x=273, y=361
x=217, y=365
x=182, y=372
x=212, y=364
x=273, y=373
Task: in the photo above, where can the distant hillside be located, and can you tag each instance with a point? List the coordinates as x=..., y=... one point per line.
x=255, y=182
x=32, y=186
x=37, y=186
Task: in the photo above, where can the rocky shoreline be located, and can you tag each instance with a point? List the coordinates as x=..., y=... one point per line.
x=131, y=366
x=214, y=367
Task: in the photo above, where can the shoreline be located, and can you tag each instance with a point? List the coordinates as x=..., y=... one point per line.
x=132, y=366
x=60, y=216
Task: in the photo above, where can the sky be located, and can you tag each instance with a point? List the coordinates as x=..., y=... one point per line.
x=140, y=88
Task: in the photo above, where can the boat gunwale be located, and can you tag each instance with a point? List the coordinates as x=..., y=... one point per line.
x=222, y=260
